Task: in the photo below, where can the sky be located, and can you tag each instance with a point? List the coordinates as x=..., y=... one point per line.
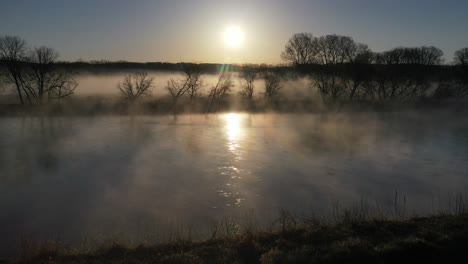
x=193, y=30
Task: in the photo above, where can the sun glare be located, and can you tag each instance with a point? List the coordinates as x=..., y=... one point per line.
x=234, y=129
x=233, y=126
x=233, y=37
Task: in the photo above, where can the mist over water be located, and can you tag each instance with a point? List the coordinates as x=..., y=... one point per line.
x=106, y=84
x=104, y=177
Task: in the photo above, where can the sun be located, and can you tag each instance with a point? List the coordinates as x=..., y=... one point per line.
x=233, y=37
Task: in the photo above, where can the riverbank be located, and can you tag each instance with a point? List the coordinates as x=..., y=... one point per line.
x=436, y=239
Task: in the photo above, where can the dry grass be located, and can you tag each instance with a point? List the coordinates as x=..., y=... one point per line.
x=429, y=240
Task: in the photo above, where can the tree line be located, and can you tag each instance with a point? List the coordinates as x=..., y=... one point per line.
x=336, y=67
x=339, y=67
x=187, y=90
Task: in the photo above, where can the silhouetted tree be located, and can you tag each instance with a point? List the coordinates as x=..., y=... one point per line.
x=459, y=85
x=419, y=55
x=358, y=72
x=391, y=57
x=222, y=88
x=362, y=55
x=393, y=83
x=34, y=72
x=455, y=87
x=300, y=49
x=406, y=73
x=177, y=89
x=248, y=75
x=327, y=81
x=196, y=81
x=190, y=84
x=43, y=80
x=41, y=60
x=135, y=85
x=429, y=56
x=335, y=49
x=13, y=53
x=461, y=57
x=332, y=52
x=272, y=85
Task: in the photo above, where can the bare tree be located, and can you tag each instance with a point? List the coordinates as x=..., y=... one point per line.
x=335, y=49
x=272, y=85
x=33, y=72
x=358, y=73
x=136, y=85
x=13, y=53
x=300, y=49
x=419, y=56
x=41, y=60
x=461, y=57
x=190, y=84
x=459, y=86
x=248, y=76
x=362, y=55
x=62, y=86
x=43, y=80
x=411, y=81
x=429, y=55
x=327, y=81
x=221, y=89
x=195, y=80
x=177, y=89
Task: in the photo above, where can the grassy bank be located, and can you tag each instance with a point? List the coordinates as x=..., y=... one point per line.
x=436, y=239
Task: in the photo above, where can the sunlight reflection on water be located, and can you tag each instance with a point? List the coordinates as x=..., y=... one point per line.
x=234, y=131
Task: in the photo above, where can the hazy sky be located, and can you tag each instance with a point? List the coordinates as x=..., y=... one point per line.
x=192, y=30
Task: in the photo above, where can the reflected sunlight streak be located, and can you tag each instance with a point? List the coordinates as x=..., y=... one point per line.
x=235, y=131
x=233, y=126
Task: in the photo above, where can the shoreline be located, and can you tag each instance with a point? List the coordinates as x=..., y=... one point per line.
x=431, y=239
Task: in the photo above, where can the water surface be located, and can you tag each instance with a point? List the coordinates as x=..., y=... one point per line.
x=102, y=177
